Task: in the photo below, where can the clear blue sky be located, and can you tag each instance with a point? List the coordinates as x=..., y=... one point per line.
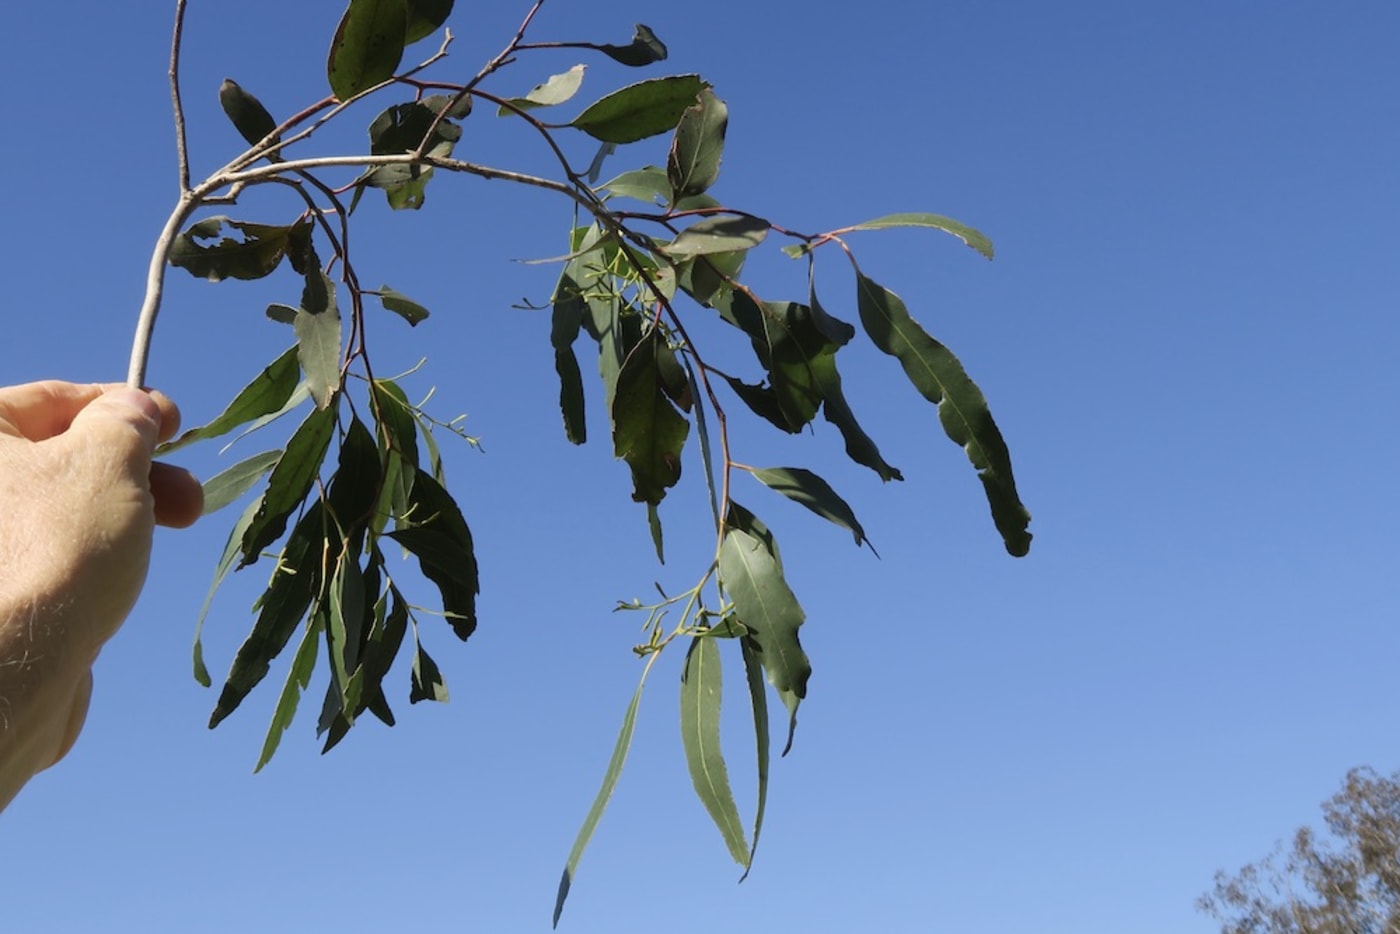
x=1188, y=337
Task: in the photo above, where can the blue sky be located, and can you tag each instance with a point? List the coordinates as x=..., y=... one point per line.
x=1188, y=338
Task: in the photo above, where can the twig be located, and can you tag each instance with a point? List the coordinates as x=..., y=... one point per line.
x=181, y=150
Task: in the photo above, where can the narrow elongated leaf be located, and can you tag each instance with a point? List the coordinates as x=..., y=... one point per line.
x=696, y=150
x=963, y=232
x=294, y=584
x=644, y=49
x=558, y=89
x=427, y=680
x=402, y=305
x=424, y=18
x=803, y=486
x=701, y=689
x=255, y=253
x=648, y=432
x=753, y=672
x=267, y=393
x=640, y=110
x=317, y=327
x=569, y=307
x=247, y=114
x=442, y=542
x=860, y=447
x=345, y=607
x=390, y=624
x=367, y=47
x=605, y=792
x=356, y=483
x=291, y=480
x=298, y=677
x=231, y=551
x=227, y=485
x=751, y=572
x=723, y=234
x=962, y=409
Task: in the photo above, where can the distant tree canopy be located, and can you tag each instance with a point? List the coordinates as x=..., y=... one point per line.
x=1349, y=884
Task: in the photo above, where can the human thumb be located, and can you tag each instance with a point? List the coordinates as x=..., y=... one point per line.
x=126, y=419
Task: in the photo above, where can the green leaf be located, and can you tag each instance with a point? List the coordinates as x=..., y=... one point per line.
x=294, y=584
x=345, y=609
x=424, y=18
x=647, y=184
x=701, y=689
x=403, y=128
x=317, y=327
x=389, y=623
x=442, y=542
x=558, y=89
x=231, y=550
x=267, y=393
x=718, y=235
x=751, y=572
x=804, y=487
x=291, y=480
x=644, y=49
x=962, y=409
x=605, y=792
x=640, y=110
x=253, y=255
x=355, y=486
x=249, y=117
x=936, y=222
x=657, y=539
x=707, y=278
x=569, y=307
x=402, y=305
x=647, y=430
x=693, y=164
x=282, y=314
x=367, y=47
x=753, y=672
x=427, y=679
x=298, y=677
x=227, y=485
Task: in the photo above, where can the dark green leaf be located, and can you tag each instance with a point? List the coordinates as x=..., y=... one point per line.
x=317, y=326
x=962, y=409
x=647, y=184
x=298, y=677
x=231, y=550
x=707, y=278
x=267, y=393
x=569, y=307
x=282, y=314
x=936, y=222
x=701, y=689
x=356, y=483
x=654, y=524
x=294, y=584
x=605, y=792
x=367, y=47
x=402, y=305
x=558, y=89
x=456, y=105
x=227, y=485
x=427, y=679
x=647, y=430
x=693, y=164
x=803, y=486
x=291, y=480
x=442, y=542
x=256, y=253
x=345, y=610
x=640, y=110
x=247, y=113
x=424, y=18
x=389, y=624
x=644, y=49
x=403, y=128
x=718, y=235
x=751, y=572
x=753, y=671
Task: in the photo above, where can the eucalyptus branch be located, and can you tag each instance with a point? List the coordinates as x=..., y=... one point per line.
x=181, y=146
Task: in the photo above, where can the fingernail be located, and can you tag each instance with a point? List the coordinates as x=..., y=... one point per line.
x=136, y=399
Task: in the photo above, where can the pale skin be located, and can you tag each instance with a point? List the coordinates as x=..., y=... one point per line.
x=79, y=501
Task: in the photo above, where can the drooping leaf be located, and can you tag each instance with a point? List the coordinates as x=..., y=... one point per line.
x=640, y=110
x=558, y=89
x=963, y=232
x=254, y=254
x=402, y=129
x=290, y=481
x=427, y=680
x=367, y=47
x=605, y=792
x=295, y=583
x=386, y=635
x=442, y=542
x=647, y=184
x=753, y=672
x=298, y=677
x=402, y=305
x=701, y=689
x=707, y=278
x=317, y=327
x=647, y=430
x=654, y=526
x=751, y=572
x=424, y=18
x=569, y=308
x=267, y=393
x=962, y=409
x=231, y=483
x=231, y=551
x=696, y=150
x=644, y=49
x=397, y=436
x=804, y=487
x=345, y=608
x=249, y=117
x=356, y=483
x=723, y=234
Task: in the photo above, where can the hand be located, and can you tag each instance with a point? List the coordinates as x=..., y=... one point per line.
x=79, y=500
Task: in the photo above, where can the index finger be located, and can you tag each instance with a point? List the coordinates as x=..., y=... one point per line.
x=39, y=411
